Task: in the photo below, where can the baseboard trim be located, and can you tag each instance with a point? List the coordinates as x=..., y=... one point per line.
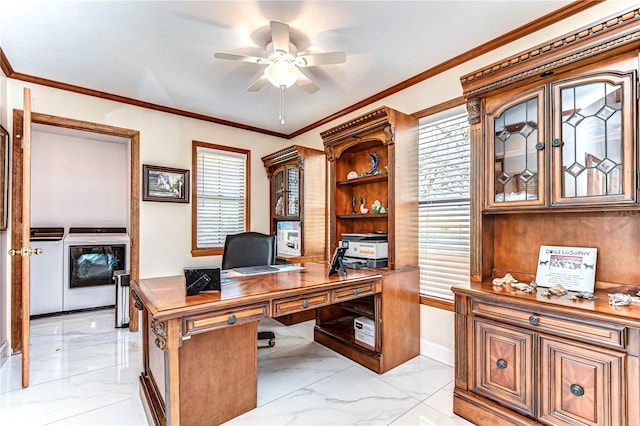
x=438, y=352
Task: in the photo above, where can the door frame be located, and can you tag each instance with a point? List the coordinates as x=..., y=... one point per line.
x=16, y=208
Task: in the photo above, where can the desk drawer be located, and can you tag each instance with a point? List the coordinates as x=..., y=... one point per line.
x=212, y=320
x=354, y=291
x=575, y=328
x=300, y=303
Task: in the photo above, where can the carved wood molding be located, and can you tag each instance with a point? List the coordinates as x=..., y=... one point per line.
x=473, y=111
x=159, y=328
x=594, y=39
x=138, y=302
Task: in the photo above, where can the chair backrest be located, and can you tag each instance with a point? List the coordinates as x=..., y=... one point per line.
x=248, y=249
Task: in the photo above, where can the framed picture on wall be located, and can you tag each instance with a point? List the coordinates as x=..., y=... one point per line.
x=4, y=177
x=165, y=184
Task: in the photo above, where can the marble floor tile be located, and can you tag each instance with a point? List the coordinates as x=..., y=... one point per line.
x=350, y=397
x=424, y=415
x=420, y=377
x=126, y=413
x=291, y=369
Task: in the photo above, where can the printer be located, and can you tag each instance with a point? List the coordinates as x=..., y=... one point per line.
x=369, y=250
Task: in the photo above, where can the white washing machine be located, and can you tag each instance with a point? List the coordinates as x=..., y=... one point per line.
x=91, y=256
x=45, y=290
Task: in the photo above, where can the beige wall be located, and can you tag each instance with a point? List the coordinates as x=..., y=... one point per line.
x=165, y=228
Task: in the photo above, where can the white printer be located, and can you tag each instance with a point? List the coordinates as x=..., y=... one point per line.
x=370, y=250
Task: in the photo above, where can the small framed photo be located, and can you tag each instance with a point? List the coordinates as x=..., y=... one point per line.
x=572, y=267
x=165, y=184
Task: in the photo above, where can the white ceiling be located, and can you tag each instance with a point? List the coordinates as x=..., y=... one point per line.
x=162, y=52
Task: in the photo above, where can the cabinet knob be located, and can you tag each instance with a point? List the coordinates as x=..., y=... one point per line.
x=539, y=146
x=232, y=319
x=577, y=390
x=356, y=292
x=305, y=303
x=534, y=320
x=502, y=364
x=556, y=142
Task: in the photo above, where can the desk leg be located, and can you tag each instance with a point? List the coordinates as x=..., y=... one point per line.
x=172, y=359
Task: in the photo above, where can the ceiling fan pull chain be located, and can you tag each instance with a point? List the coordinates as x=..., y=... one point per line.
x=281, y=115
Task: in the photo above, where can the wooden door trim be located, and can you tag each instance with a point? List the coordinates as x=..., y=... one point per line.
x=16, y=207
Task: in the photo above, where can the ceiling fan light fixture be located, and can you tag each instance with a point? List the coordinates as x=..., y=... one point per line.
x=282, y=73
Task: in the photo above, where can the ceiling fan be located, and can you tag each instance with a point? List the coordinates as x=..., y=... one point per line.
x=283, y=63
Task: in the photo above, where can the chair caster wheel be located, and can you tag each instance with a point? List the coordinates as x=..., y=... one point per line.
x=272, y=343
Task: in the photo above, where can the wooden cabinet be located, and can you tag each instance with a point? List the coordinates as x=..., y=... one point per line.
x=554, y=161
x=373, y=188
x=503, y=365
x=297, y=202
x=528, y=366
x=568, y=142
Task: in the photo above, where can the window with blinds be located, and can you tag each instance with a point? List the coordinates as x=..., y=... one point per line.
x=220, y=175
x=444, y=206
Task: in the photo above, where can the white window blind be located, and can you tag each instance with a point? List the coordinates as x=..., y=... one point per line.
x=220, y=195
x=444, y=220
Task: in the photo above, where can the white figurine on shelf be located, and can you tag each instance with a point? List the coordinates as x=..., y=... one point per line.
x=363, y=209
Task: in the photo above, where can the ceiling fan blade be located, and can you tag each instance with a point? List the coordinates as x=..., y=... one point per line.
x=280, y=36
x=258, y=84
x=314, y=59
x=242, y=58
x=306, y=84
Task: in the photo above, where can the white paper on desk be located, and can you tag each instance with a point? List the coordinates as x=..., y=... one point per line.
x=572, y=267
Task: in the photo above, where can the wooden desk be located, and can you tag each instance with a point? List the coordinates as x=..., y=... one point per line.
x=200, y=352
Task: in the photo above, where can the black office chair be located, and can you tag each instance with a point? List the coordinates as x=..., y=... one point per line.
x=250, y=249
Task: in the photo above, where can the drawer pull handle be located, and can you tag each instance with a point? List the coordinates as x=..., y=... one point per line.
x=534, y=320
x=305, y=303
x=232, y=319
x=502, y=364
x=577, y=390
x=356, y=292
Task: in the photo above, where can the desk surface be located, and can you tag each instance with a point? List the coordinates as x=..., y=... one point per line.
x=166, y=298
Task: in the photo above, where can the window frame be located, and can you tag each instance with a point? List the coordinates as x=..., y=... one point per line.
x=195, y=250
x=442, y=110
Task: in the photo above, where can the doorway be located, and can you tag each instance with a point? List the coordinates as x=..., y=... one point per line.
x=17, y=202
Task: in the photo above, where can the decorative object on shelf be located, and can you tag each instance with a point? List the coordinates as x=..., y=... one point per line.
x=375, y=162
x=375, y=207
x=556, y=290
x=584, y=295
x=279, y=206
x=574, y=267
x=363, y=209
x=382, y=209
x=165, y=184
x=506, y=280
x=619, y=299
x=523, y=287
x=352, y=175
x=353, y=204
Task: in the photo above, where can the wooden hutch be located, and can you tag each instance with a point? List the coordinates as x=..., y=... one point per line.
x=297, y=200
x=554, y=140
x=375, y=157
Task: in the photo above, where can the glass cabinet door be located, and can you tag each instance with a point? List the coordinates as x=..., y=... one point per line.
x=293, y=191
x=516, y=150
x=278, y=192
x=286, y=189
x=592, y=140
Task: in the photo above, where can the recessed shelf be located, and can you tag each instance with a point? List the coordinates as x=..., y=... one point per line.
x=358, y=216
x=362, y=180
